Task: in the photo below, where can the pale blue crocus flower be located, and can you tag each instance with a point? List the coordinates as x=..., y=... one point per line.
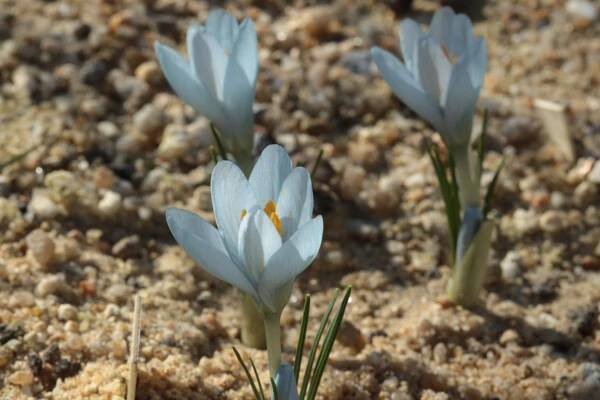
x=219, y=78
x=286, y=383
x=265, y=235
x=442, y=73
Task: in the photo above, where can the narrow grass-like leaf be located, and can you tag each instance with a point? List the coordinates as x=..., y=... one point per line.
x=449, y=191
x=328, y=345
x=455, y=208
x=260, y=387
x=490, y=190
x=258, y=395
x=316, y=164
x=301, y=337
x=214, y=155
x=315, y=345
x=274, y=389
x=220, y=146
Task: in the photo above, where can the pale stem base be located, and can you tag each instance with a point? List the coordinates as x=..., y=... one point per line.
x=252, y=325
x=273, y=334
x=469, y=273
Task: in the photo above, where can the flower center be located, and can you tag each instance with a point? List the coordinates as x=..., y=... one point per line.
x=449, y=56
x=271, y=212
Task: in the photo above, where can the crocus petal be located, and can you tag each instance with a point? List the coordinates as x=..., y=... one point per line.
x=286, y=383
x=245, y=50
x=478, y=63
x=427, y=74
x=258, y=240
x=231, y=194
x=410, y=32
x=295, y=203
x=460, y=105
x=203, y=243
x=297, y=253
x=186, y=86
x=223, y=27
x=405, y=87
x=441, y=26
x=269, y=173
x=442, y=67
x=209, y=61
x=238, y=97
x=461, y=38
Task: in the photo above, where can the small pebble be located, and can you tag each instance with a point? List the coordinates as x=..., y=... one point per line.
x=128, y=247
x=440, y=353
x=585, y=12
x=52, y=284
x=21, y=378
x=110, y=204
x=150, y=73
x=118, y=293
x=67, y=312
x=510, y=266
x=149, y=120
x=21, y=298
x=551, y=221
x=41, y=248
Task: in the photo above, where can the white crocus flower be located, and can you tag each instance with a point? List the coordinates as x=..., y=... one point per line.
x=219, y=79
x=442, y=73
x=266, y=234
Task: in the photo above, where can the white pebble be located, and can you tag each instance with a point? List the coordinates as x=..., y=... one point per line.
x=67, y=312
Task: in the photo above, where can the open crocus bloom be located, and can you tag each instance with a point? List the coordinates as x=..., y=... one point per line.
x=219, y=79
x=266, y=234
x=442, y=73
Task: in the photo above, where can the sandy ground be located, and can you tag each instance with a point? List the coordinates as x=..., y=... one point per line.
x=82, y=227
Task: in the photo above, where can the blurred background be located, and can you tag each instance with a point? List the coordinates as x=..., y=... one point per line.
x=94, y=145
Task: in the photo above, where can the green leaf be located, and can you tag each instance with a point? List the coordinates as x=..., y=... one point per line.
x=315, y=345
x=260, y=387
x=275, y=393
x=258, y=395
x=490, y=190
x=316, y=164
x=328, y=345
x=301, y=337
x=213, y=154
x=449, y=189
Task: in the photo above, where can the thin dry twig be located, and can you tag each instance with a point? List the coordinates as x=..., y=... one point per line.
x=135, y=347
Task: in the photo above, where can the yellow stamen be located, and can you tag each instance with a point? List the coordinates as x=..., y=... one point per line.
x=243, y=213
x=272, y=214
x=449, y=56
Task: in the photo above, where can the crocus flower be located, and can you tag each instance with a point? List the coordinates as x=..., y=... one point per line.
x=266, y=234
x=442, y=73
x=286, y=383
x=219, y=79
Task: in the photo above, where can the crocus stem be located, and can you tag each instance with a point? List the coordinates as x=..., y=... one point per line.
x=469, y=272
x=273, y=334
x=245, y=161
x=468, y=183
x=252, y=326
